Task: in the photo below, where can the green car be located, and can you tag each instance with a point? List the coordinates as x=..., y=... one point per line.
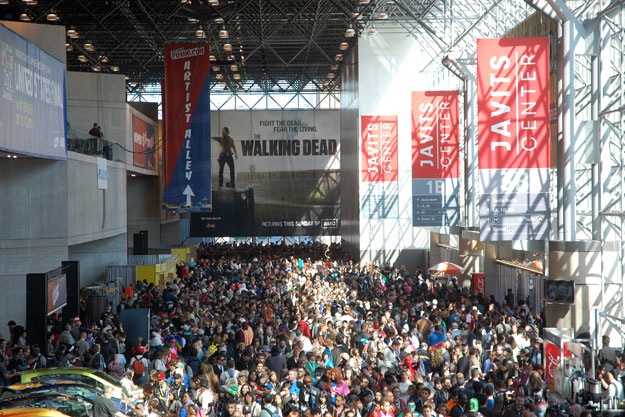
x=87, y=376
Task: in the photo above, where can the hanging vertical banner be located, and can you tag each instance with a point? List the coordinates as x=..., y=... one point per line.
x=479, y=286
x=102, y=173
x=187, y=150
x=379, y=168
x=513, y=138
x=144, y=143
x=435, y=158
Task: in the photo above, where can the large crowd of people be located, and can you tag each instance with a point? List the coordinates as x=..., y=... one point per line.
x=275, y=330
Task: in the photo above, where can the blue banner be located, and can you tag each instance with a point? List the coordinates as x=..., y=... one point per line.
x=187, y=156
x=32, y=119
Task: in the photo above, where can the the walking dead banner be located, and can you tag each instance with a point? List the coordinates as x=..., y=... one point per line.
x=286, y=175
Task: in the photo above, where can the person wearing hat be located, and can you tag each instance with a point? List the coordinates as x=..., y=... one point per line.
x=176, y=381
x=139, y=378
x=276, y=361
x=76, y=327
x=205, y=396
x=161, y=387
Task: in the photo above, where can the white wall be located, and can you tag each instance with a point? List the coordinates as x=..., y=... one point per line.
x=387, y=74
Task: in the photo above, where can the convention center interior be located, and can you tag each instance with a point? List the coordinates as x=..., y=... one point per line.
x=312, y=208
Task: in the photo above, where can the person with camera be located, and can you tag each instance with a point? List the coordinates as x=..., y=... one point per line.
x=516, y=408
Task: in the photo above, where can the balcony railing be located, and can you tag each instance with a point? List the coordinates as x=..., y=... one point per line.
x=86, y=144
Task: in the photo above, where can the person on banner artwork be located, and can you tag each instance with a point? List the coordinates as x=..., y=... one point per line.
x=228, y=149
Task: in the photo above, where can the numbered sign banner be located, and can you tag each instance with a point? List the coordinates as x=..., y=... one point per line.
x=513, y=138
x=435, y=158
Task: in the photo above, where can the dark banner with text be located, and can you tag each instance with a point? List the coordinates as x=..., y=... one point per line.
x=435, y=158
x=513, y=138
x=277, y=175
x=186, y=107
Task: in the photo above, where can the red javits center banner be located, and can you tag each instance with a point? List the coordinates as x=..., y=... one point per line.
x=513, y=138
x=379, y=167
x=379, y=148
x=435, y=158
x=187, y=156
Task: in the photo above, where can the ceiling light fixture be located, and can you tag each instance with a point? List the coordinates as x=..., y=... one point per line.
x=223, y=34
x=338, y=57
x=383, y=16
x=234, y=68
x=200, y=34
x=24, y=17
x=89, y=47
x=334, y=67
x=82, y=58
x=219, y=76
x=97, y=68
x=31, y=2
x=212, y=58
x=52, y=17
x=4, y=1
x=236, y=76
x=69, y=47
x=114, y=68
x=330, y=75
x=193, y=20
x=228, y=47
x=372, y=30
x=216, y=68
x=213, y=3
x=343, y=46
x=219, y=20
x=71, y=33
x=350, y=32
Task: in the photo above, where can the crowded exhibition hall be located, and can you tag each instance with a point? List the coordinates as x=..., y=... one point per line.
x=296, y=208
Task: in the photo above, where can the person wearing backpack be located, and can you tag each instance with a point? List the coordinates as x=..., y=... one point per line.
x=269, y=409
x=139, y=365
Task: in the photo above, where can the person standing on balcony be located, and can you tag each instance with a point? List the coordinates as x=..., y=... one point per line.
x=96, y=132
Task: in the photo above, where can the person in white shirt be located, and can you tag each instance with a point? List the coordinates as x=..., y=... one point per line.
x=612, y=385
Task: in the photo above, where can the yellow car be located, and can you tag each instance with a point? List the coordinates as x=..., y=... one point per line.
x=87, y=376
x=30, y=412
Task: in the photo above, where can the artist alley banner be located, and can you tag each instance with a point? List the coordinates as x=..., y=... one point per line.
x=187, y=156
x=513, y=138
x=379, y=167
x=435, y=158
